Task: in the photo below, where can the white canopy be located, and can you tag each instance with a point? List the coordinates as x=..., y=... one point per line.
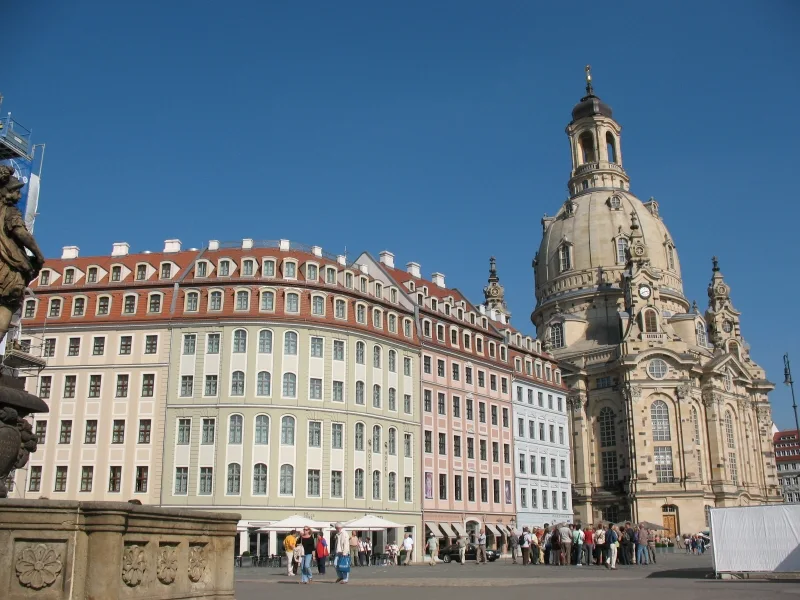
x=294, y=522
x=371, y=523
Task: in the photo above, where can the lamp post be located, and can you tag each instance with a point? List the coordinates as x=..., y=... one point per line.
x=787, y=380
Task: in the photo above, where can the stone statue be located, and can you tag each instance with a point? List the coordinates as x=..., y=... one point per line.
x=17, y=267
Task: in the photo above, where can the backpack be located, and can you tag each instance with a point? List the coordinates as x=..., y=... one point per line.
x=521, y=540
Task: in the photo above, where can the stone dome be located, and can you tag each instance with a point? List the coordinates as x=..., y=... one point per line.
x=591, y=225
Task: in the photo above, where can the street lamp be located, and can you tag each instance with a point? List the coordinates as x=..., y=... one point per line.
x=787, y=380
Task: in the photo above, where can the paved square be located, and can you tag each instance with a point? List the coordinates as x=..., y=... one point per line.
x=675, y=577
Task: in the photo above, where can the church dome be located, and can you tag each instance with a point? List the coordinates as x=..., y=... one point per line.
x=584, y=246
x=590, y=106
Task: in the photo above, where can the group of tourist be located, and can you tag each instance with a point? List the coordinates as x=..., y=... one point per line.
x=695, y=544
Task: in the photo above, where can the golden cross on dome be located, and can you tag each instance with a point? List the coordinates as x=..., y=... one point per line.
x=589, y=89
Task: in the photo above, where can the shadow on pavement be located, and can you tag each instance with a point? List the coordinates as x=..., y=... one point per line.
x=694, y=573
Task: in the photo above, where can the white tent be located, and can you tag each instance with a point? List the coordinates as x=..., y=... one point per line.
x=371, y=523
x=294, y=522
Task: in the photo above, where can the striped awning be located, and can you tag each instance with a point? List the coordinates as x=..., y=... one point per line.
x=492, y=528
x=431, y=526
x=459, y=529
x=448, y=531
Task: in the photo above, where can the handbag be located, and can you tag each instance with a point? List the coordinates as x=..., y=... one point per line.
x=343, y=563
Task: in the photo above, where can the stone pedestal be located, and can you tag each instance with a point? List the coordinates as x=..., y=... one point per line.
x=60, y=550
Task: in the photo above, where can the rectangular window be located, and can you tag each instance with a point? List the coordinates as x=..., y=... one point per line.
x=49, y=349
x=442, y=486
x=483, y=449
x=440, y=368
x=125, y=343
x=314, y=434
x=482, y=412
x=507, y=454
x=471, y=489
x=145, y=427
x=442, y=444
x=94, y=386
x=98, y=346
x=484, y=489
x=181, y=481
x=211, y=385
x=206, y=481
x=338, y=391
x=129, y=305
x=533, y=464
x=441, y=399
x=544, y=499
x=315, y=389
x=609, y=467
x=468, y=375
x=496, y=490
x=208, y=431
x=541, y=431
x=338, y=350
x=456, y=372
x=428, y=442
x=74, y=348
x=336, y=484
x=151, y=344
x=90, y=436
x=213, y=343
x=457, y=487
x=122, y=386
x=187, y=386
x=148, y=385
x=35, y=479
x=269, y=268
x=495, y=452
x=41, y=432
x=552, y=467
x=481, y=379
x=493, y=382
x=337, y=435
x=114, y=479
x=184, y=431
x=543, y=465
x=45, y=383
x=494, y=415
x=563, y=469
x=469, y=410
x=522, y=463
x=427, y=402
x=65, y=434
x=189, y=344
x=523, y=498
x=408, y=489
x=313, y=482
x=563, y=500
x=552, y=430
x=426, y=364
x=61, y=480
x=663, y=464
x=470, y=447
x=316, y=347
x=457, y=446
x=456, y=407
x=141, y=480
x=118, y=431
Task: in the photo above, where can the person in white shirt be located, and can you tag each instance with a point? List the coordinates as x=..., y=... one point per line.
x=342, y=550
x=408, y=546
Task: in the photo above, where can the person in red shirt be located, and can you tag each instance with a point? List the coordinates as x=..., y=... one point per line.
x=588, y=546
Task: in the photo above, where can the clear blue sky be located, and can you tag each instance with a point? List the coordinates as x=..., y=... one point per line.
x=433, y=129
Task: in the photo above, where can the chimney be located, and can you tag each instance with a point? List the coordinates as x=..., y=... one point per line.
x=69, y=252
x=213, y=244
x=387, y=258
x=364, y=269
x=438, y=279
x=247, y=243
x=172, y=246
x=342, y=260
x=120, y=249
x=316, y=250
x=283, y=245
x=413, y=269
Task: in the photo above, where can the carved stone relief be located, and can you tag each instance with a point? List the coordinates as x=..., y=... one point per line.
x=167, y=565
x=38, y=566
x=134, y=565
x=197, y=563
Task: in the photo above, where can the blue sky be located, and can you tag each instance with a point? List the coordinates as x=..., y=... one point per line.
x=432, y=129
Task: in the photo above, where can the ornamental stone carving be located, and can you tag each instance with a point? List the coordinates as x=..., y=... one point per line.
x=38, y=566
x=683, y=391
x=711, y=398
x=764, y=415
x=167, y=566
x=632, y=392
x=134, y=565
x=197, y=563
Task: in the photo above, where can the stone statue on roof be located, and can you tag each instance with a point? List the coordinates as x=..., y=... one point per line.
x=20, y=256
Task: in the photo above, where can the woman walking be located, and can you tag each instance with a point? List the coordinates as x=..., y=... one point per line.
x=306, y=543
x=322, y=554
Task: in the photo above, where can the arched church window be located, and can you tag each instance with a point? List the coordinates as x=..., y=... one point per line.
x=657, y=369
x=733, y=347
x=659, y=416
x=695, y=424
x=605, y=422
x=611, y=147
x=615, y=202
x=671, y=256
x=650, y=321
x=729, y=430
x=557, y=335
x=622, y=250
x=728, y=381
x=586, y=141
x=564, y=258
x=702, y=338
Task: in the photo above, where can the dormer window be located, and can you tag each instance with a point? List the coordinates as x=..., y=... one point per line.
x=116, y=273
x=426, y=328
x=224, y=268
x=91, y=276
x=622, y=250
x=364, y=284
x=44, y=278
x=69, y=276
x=269, y=268
x=348, y=280
x=141, y=272
x=247, y=267
x=502, y=353
x=330, y=276
x=78, y=307
x=491, y=349
x=434, y=304
x=411, y=286
x=485, y=323
x=447, y=309
x=166, y=271
x=289, y=270
x=201, y=269
x=454, y=337
x=55, y=308
x=460, y=314
x=420, y=299
x=393, y=296
x=479, y=345
x=467, y=341
x=312, y=272
x=378, y=290
x=30, y=309
x=615, y=203
x=440, y=333
x=472, y=318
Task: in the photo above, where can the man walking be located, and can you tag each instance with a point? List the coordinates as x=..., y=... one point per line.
x=433, y=548
x=651, y=545
x=343, y=560
x=480, y=557
x=514, y=544
x=566, y=544
x=577, y=544
x=612, y=537
x=288, y=546
x=408, y=546
x=641, y=546
x=525, y=542
x=462, y=548
x=353, y=549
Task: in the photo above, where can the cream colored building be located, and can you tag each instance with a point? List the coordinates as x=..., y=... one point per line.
x=670, y=415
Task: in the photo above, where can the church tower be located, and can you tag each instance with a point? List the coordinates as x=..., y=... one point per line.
x=494, y=293
x=665, y=421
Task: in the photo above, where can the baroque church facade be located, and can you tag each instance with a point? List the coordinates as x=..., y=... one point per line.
x=669, y=413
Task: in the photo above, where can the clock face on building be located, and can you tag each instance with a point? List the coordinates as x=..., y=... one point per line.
x=494, y=292
x=645, y=291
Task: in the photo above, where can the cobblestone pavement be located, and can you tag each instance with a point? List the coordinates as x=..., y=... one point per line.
x=675, y=576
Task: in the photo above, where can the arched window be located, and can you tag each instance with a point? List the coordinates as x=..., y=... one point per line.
x=695, y=424
x=733, y=347
x=240, y=341
x=360, y=392
x=237, y=383
x=393, y=487
x=289, y=385
x=376, y=396
x=729, y=439
x=292, y=303
x=728, y=381
x=287, y=431
x=262, y=430
x=358, y=488
x=360, y=353
x=376, y=485
x=263, y=384
x=608, y=433
x=341, y=309
x=376, y=357
x=611, y=147
x=586, y=141
x=359, y=437
x=267, y=300
x=235, y=429
x=376, y=438
x=615, y=201
x=671, y=256
x=702, y=338
x=242, y=300
x=392, y=361
x=659, y=415
x=557, y=335
x=564, y=258
x=650, y=321
x=392, y=441
x=260, y=480
x=192, y=300
x=215, y=301
x=622, y=250
x=317, y=305
x=287, y=480
x=234, y=478
x=265, y=341
x=290, y=343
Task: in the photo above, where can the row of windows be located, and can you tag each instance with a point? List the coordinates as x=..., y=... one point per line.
x=457, y=447
x=90, y=431
x=458, y=491
x=549, y=499
x=441, y=408
x=540, y=399
x=528, y=465
x=122, y=388
x=456, y=340
x=261, y=434
x=532, y=430
x=115, y=479
x=549, y=374
x=441, y=371
x=98, y=346
x=286, y=483
x=621, y=251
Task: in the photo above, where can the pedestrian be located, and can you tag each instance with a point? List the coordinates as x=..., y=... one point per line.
x=289, y=542
x=536, y=548
x=362, y=552
x=600, y=544
x=641, y=546
x=353, y=549
x=462, y=548
x=368, y=550
x=651, y=545
x=514, y=543
x=588, y=546
x=566, y=544
x=612, y=539
x=307, y=545
x=408, y=546
x=342, y=561
x=322, y=554
x=433, y=548
x=480, y=556
x=525, y=544
x=578, y=538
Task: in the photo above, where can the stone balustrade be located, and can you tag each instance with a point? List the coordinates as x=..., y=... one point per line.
x=59, y=550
